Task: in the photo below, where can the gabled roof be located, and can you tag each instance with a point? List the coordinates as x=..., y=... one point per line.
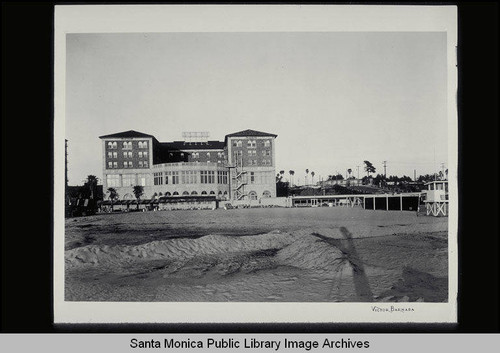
x=183, y=145
x=127, y=134
x=249, y=132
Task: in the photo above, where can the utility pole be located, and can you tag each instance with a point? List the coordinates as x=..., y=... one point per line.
x=414, y=175
x=358, y=170
x=66, y=163
x=385, y=166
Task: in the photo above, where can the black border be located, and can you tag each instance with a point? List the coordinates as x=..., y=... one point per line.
x=27, y=172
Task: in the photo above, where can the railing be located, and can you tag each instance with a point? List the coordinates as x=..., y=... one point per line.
x=189, y=164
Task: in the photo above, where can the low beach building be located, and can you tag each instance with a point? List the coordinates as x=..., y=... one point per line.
x=240, y=168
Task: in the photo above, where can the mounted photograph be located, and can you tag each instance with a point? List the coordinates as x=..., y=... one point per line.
x=213, y=168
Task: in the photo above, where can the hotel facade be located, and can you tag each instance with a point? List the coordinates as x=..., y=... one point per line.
x=242, y=167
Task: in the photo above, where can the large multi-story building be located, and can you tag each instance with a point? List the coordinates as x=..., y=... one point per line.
x=242, y=167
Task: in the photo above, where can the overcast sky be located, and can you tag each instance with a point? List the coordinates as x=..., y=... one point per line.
x=334, y=99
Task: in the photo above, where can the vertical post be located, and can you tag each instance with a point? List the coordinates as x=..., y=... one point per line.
x=374, y=203
x=387, y=202
x=401, y=202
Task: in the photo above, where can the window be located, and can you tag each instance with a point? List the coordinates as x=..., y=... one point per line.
x=142, y=179
x=252, y=178
x=237, y=143
x=115, y=154
x=110, y=165
x=251, y=143
x=125, y=164
x=188, y=177
x=175, y=177
x=175, y=193
x=194, y=193
x=266, y=153
x=252, y=152
x=124, y=154
x=168, y=194
x=267, y=143
x=158, y=178
x=212, y=192
x=185, y=193
x=203, y=192
x=110, y=154
x=220, y=154
x=112, y=145
x=140, y=154
x=145, y=154
x=115, y=164
x=140, y=164
x=195, y=155
x=130, y=165
x=221, y=177
x=143, y=144
x=130, y=155
x=167, y=174
x=128, y=180
x=207, y=177
x=252, y=195
x=127, y=145
x=112, y=180
x=208, y=154
x=146, y=164
x=266, y=194
x=182, y=154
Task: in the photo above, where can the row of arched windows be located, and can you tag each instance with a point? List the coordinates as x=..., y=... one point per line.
x=127, y=145
x=250, y=143
x=194, y=193
x=252, y=195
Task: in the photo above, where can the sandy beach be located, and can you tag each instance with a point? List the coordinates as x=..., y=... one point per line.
x=257, y=255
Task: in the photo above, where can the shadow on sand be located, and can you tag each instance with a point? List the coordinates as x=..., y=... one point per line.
x=361, y=284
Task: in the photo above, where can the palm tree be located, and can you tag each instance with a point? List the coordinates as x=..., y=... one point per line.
x=349, y=171
x=113, y=195
x=312, y=177
x=307, y=173
x=91, y=183
x=138, y=192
